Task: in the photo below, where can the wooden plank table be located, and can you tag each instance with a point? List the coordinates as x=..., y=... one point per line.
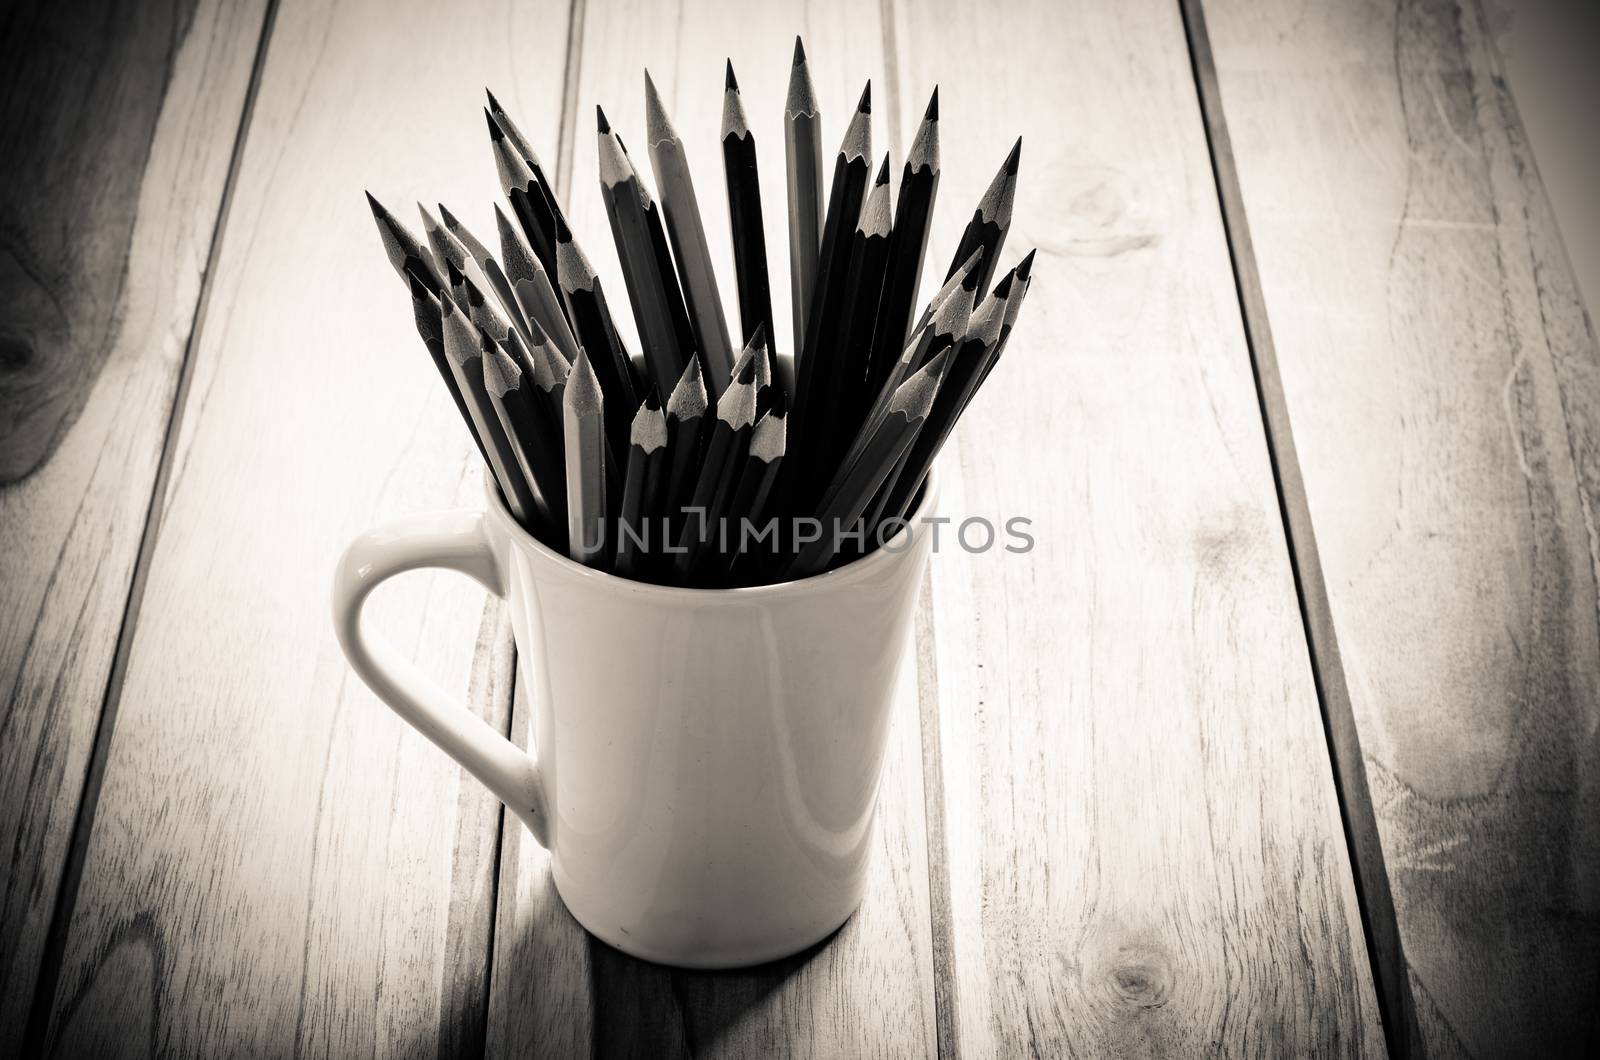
x=1281, y=741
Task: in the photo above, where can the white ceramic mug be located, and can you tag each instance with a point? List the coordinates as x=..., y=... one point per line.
x=707, y=760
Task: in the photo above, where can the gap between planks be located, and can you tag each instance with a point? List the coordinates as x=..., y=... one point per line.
x=44, y=989
x=1379, y=924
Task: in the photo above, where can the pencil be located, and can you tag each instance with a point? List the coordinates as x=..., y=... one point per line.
x=853, y=489
x=532, y=441
x=584, y=437
x=908, y=245
x=845, y=389
x=802, y=148
x=408, y=257
x=596, y=334
x=943, y=330
x=821, y=353
x=654, y=295
x=749, y=502
x=744, y=213
x=955, y=390
x=686, y=410
x=531, y=200
x=479, y=255
x=1023, y=275
x=719, y=471
x=430, y=327
x=641, y=486
x=533, y=290
x=991, y=220
x=464, y=346
x=688, y=237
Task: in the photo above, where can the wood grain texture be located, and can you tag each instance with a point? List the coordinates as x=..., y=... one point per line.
x=1445, y=389
x=868, y=991
x=1142, y=837
x=116, y=128
x=271, y=869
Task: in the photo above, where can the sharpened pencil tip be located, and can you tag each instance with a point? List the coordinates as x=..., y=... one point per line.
x=730, y=82
x=449, y=218
x=600, y=120
x=496, y=134
x=758, y=338
x=865, y=104
x=1014, y=159
x=799, y=51
x=883, y=172
x=377, y=208
x=1025, y=266
x=932, y=113
x=494, y=104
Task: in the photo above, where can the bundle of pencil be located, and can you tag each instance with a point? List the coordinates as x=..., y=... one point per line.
x=704, y=459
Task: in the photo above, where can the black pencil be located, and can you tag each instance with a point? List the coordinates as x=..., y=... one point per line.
x=991, y=221
x=688, y=237
x=488, y=266
x=846, y=389
x=427, y=315
x=530, y=433
x=686, y=411
x=908, y=245
x=531, y=285
x=584, y=442
x=464, y=346
x=822, y=352
x=408, y=256
x=946, y=320
x=641, y=486
x=853, y=489
x=1022, y=275
x=744, y=214
x=955, y=390
x=749, y=502
x=597, y=334
x=655, y=297
x=531, y=199
x=719, y=470
x=802, y=147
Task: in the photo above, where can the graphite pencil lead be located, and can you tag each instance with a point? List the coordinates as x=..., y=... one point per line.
x=1025, y=266
x=600, y=120
x=858, y=136
x=864, y=104
x=924, y=153
x=883, y=172
x=729, y=82
x=658, y=127
x=1014, y=159
x=509, y=127
x=802, y=98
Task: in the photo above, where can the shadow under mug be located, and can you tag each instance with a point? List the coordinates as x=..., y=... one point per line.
x=706, y=760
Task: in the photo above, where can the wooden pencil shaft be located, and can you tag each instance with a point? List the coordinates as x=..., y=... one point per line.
x=846, y=392
x=802, y=146
x=426, y=314
x=464, y=352
x=538, y=459
x=591, y=320
x=855, y=491
x=687, y=235
x=649, y=292
x=586, y=451
x=908, y=246
x=990, y=223
x=534, y=293
x=821, y=353
x=749, y=234
x=640, y=496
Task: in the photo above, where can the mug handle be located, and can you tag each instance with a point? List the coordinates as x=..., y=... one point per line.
x=458, y=541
